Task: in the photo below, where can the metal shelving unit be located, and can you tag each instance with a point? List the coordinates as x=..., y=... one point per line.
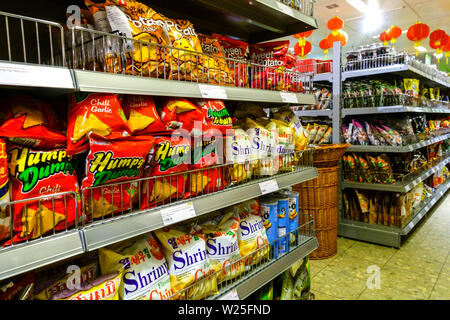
x=314, y=113
x=402, y=149
x=389, y=236
x=391, y=109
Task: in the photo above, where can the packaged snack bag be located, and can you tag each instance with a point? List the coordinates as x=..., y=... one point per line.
x=5, y=218
x=327, y=136
x=269, y=57
x=19, y=288
x=169, y=156
x=145, y=270
x=252, y=234
x=186, y=58
x=109, y=162
x=178, y=113
x=144, y=24
x=300, y=135
x=35, y=173
x=103, y=288
x=411, y=87
x=29, y=122
x=98, y=113
x=346, y=132
x=184, y=247
x=285, y=144
x=142, y=116
x=385, y=167
x=215, y=114
x=222, y=247
x=216, y=67
x=52, y=284
x=239, y=155
x=238, y=51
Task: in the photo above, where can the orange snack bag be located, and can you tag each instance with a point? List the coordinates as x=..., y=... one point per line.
x=98, y=113
x=142, y=116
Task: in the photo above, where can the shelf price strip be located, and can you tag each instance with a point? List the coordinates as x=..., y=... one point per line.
x=268, y=186
x=177, y=213
x=212, y=92
x=288, y=97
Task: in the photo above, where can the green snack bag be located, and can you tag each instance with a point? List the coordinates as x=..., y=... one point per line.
x=266, y=292
x=287, y=286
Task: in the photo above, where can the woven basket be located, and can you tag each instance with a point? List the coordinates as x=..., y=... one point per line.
x=329, y=155
x=323, y=218
x=327, y=244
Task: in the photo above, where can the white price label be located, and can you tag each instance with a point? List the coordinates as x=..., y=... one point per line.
x=284, y=8
x=288, y=97
x=212, y=92
x=177, y=213
x=268, y=186
x=232, y=295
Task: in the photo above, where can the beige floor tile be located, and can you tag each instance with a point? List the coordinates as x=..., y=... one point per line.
x=323, y=296
x=412, y=264
x=338, y=285
x=417, y=251
x=441, y=290
x=344, y=243
x=388, y=294
x=316, y=266
x=377, y=254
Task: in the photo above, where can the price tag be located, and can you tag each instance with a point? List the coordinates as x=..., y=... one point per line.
x=288, y=97
x=268, y=186
x=177, y=213
x=285, y=9
x=212, y=92
x=232, y=295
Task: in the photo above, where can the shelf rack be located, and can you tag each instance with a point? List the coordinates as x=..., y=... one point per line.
x=392, y=109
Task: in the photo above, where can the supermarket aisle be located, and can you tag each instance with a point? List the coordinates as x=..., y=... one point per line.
x=419, y=270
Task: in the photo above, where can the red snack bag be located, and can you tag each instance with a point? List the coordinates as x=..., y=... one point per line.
x=236, y=50
x=215, y=115
x=143, y=118
x=272, y=55
x=20, y=288
x=99, y=113
x=170, y=155
x=179, y=113
x=29, y=122
x=35, y=173
x=111, y=162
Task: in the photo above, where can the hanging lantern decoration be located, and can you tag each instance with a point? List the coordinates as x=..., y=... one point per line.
x=302, y=37
x=418, y=32
x=441, y=45
x=324, y=44
x=384, y=38
x=446, y=49
x=302, y=51
x=336, y=24
x=393, y=33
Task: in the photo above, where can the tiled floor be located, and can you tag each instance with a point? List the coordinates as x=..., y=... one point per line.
x=419, y=270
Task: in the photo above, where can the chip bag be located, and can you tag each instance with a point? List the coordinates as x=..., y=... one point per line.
x=300, y=134
x=215, y=65
x=142, y=116
x=98, y=113
x=285, y=148
x=222, y=247
x=113, y=162
x=170, y=158
x=216, y=115
x=18, y=288
x=178, y=113
x=238, y=152
x=145, y=270
x=237, y=51
x=29, y=122
x=253, y=242
x=35, y=173
x=184, y=247
x=263, y=151
x=103, y=288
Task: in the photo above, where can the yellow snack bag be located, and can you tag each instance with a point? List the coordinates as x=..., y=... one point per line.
x=252, y=237
x=145, y=274
x=263, y=147
x=103, y=288
x=222, y=245
x=238, y=154
x=300, y=134
x=184, y=247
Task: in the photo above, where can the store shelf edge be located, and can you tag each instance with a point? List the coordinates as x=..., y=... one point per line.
x=259, y=278
x=128, y=226
x=29, y=256
x=391, y=109
x=89, y=81
x=314, y=113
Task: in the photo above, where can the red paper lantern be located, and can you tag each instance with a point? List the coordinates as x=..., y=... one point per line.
x=305, y=34
x=335, y=23
x=437, y=34
x=439, y=43
x=384, y=38
x=302, y=51
x=324, y=44
x=446, y=48
x=393, y=33
x=339, y=35
x=418, y=32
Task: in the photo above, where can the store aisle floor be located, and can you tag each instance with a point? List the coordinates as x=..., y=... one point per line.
x=419, y=270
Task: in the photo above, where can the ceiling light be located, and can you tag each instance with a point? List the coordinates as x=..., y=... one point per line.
x=359, y=5
x=373, y=17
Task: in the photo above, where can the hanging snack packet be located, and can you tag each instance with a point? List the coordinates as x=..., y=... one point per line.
x=370, y=134
x=347, y=133
x=239, y=155
x=136, y=20
x=98, y=113
x=222, y=247
x=215, y=65
x=142, y=116
x=184, y=247
x=29, y=122
x=113, y=162
x=269, y=57
x=238, y=52
x=103, y=288
x=253, y=242
x=359, y=136
x=179, y=113
x=145, y=270
x=384, y=166
x=169, y=157
x=35, y=173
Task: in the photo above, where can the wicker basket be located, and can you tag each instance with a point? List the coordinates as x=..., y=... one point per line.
x=323, y=218
x=327, y=239
x=329, y=155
